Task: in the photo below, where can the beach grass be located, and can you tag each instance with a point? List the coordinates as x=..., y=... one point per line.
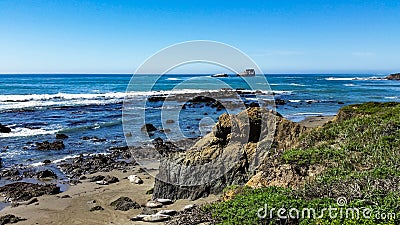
x=359, y=154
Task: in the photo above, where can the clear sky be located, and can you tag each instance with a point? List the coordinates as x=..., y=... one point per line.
x=282, y=36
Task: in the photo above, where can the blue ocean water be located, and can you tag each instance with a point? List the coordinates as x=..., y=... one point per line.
x=36, y=106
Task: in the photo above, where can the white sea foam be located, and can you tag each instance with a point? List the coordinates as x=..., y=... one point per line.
x=354, y=78
x=25, y=132
x=295, y=84
x=10, y=102
x=173, y=78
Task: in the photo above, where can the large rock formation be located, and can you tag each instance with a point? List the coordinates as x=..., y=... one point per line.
x=229, y=155
x=395, y=76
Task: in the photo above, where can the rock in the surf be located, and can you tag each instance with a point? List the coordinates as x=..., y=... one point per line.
x=61, y=136
x=56, y=145
x=4, y=129
x=395, y=76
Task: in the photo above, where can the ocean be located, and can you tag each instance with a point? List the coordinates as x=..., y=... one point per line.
x=88, y=108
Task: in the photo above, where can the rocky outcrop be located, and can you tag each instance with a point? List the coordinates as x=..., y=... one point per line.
x=22, y=191
x=395, y=76
x=228, y=155
x=4, y=129
x=124, y=204
x=8, y=219
x=56, y=145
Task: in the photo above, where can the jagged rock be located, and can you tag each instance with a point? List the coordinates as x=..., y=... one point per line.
x=228, y=155
x=4, y=129
x=61, y=136
x=124, y=204
x=7, y=219
x=395, y=76
x=22, y=191
x=45, y=174
x=56, y=145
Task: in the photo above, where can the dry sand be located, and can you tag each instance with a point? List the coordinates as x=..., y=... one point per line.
x=52, y=209
x=316, y=121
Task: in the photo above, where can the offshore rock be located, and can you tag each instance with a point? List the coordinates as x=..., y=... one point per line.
x=395, y=76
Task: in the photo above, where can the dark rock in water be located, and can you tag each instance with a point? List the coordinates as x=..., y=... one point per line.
x=252, y=104
x=156, y=98
x=4, y=129
x=56, y=145
x=124, y=204
x=22, y=191
x=148, y=127
x=93, y=138
x=96, y=208
x=170, y=121
x=395, y=76
x=47, y=161
x=46, y=174
x=61, y=136
x=280, y=102
x=1, y=162
x=7, y=219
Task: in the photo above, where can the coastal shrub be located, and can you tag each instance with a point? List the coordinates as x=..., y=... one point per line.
x=260, y=206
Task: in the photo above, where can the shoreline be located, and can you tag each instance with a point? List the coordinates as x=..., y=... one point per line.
x=73, y=202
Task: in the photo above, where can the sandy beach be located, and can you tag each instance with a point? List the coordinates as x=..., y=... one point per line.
x=75, y=209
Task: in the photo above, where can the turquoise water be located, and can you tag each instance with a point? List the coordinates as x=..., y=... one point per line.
x=35, y=107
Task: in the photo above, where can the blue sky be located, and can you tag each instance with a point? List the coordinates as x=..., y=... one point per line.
x=112, y=36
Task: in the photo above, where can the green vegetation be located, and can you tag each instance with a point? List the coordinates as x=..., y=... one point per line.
x=360, y=157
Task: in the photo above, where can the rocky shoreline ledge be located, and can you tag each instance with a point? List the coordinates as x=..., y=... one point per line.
x=112, y=188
